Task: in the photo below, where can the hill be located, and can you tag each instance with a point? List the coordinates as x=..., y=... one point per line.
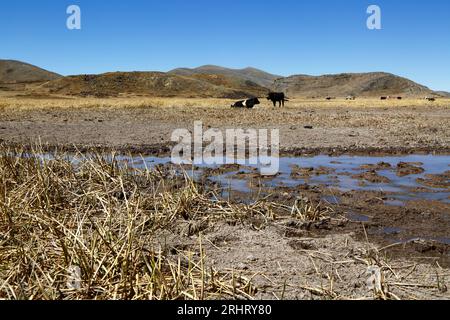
x=253, y=75
x=207, y=81
x=444, y=94
x=157, y=84
x=14, y=72
x=357, y=84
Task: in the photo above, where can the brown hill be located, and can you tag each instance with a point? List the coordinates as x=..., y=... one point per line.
x=14, y=72
x=443, y=94
x=252, y=75
x=355, y=84
x=153, y=84
x=207, y=81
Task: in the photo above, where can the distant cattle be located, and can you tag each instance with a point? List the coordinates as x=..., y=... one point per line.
x=329, y=98
x=350, y=98
x=430, y=99
x=391, y=98
x=277, y=97
x=249, y=104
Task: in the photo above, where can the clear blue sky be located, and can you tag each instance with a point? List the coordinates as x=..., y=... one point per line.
x=283, y=37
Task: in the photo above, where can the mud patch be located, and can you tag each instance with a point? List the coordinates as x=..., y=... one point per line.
x=372, y=177
x=298, y=172
x=376, y=167
x=406, y=169
x=436, y=180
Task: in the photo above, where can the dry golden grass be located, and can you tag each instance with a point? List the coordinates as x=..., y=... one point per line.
x=32, y=103
x=23, y=104
x=85, y=229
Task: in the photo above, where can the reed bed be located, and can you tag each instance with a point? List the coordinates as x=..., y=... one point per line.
x=84, y=227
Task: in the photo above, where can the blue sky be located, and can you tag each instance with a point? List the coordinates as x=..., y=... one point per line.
x=283, y=37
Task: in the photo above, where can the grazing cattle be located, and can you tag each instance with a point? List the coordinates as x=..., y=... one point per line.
x=399, y=98
x=249, y=104
x=430, y=99
x=330, y=98
x=350, y=98
x=384, y=98
x=277, y=97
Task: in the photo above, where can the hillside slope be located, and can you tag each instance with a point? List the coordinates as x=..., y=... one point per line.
x=356, y=84
x=151, y=83
x=444, y=94
x=259, y=77
x=12, y=72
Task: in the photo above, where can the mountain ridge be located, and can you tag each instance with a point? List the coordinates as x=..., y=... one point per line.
x=214, y=81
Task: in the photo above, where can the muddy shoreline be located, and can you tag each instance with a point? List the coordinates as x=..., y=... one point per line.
x=306, y=127
x=164, y=150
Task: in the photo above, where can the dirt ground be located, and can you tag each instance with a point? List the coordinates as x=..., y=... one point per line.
x=283, y=262
x=146, y=124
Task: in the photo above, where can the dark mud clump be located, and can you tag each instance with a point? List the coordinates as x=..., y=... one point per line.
x=372, y=177
x=376, y=167
x=254, y=174
x=227, y=168
x=409, y=168
x=439, y=181
x=306, y=173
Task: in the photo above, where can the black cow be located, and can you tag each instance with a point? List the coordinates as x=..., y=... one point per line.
x=277, y=97
x=384, y=98
x=249, y=104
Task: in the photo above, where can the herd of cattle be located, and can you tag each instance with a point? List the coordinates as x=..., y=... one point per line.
x=400, y=98
x=280, y=98
x=275, y=97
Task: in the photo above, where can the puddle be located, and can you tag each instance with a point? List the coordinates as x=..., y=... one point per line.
x=385, y=231
x=340, y=174
x=434, y=196
x=391, y=230
x=355, y=217
x=445, y=241
x=442, y=240
x=243, y=183
x=344, y=168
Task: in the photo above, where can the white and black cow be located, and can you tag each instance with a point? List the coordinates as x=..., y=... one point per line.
x=249, y=104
